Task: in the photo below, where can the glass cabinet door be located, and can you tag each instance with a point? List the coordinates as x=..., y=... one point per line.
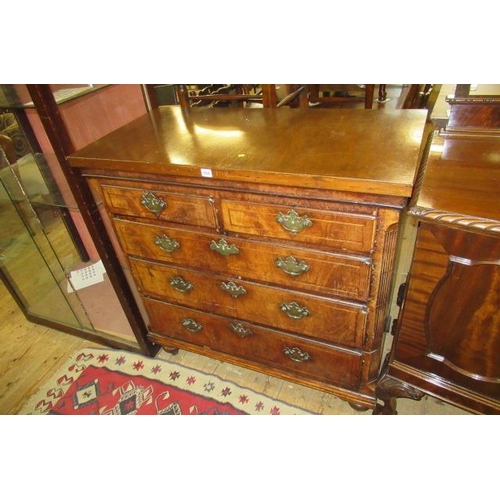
x=35, y=255
x=48, y=260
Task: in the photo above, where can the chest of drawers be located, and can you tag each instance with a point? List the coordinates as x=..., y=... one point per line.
x=262, y=237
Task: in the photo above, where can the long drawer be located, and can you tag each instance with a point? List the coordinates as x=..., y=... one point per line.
x=325, y=319
x=295, y=355
x=327, y=229
x=161, y=204
x=293, y=267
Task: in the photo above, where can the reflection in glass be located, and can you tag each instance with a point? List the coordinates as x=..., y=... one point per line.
x=29, y=261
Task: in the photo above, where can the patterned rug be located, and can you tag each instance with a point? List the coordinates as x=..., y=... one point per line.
x=98, y=381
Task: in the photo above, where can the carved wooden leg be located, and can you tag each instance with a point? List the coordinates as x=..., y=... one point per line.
x=388, y=390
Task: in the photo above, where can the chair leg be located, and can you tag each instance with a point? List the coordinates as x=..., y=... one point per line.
x=369, y=92
x=182, y=97
x=382, y=92
x=313, y=90
x=270, y=99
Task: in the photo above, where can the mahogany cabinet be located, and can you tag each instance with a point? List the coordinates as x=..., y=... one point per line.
x=447, y=340
x=262, y=237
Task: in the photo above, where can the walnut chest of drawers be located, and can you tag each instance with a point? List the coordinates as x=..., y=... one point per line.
x=262, y=237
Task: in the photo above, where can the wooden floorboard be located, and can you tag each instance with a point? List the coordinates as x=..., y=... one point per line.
x=29, y=354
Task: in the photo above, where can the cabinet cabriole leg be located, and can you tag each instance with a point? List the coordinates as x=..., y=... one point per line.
x=388, y=390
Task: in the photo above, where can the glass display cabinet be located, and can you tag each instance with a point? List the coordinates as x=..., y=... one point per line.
x=52, y=258
x=37, y=247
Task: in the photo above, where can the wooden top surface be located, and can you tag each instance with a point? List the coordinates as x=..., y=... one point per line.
x=461, y=181
x=356, y=150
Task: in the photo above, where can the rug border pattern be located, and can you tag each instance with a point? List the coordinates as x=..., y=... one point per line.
x=180, y=376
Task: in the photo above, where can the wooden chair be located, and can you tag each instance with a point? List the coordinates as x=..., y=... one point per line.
x=417, y=96
x=326, y=94
x=241, y=95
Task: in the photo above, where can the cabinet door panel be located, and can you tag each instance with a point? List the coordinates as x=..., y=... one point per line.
x=450, y=324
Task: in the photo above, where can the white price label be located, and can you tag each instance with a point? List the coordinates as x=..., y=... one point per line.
x=206, y=172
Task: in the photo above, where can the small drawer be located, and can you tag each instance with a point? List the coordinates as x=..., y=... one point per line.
x=328, y=320
x=326, y=273
x=160, y=204
x=292, y=354
x=321, y=228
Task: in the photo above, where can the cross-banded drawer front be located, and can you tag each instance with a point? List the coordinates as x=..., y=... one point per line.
x=325, y=319
x=320, y=272
x=158, y=204
x=325, y=229
x=287, y=352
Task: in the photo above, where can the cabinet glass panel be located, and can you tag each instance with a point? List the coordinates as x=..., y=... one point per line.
x=46, y=254
x=28, y=259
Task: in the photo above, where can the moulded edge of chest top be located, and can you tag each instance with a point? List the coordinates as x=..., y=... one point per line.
x=300, y=193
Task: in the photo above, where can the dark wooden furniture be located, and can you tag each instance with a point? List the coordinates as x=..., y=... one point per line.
x=263, y=237
x=327, y=95
x=417, y=96
x=240, y=95
x=447, y=341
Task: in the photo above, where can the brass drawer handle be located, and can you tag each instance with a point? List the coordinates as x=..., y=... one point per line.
x=181, y=285
x=291, y=266
x=295, y=354
x=240, y=330
x=233, y=289
x=294, y=311
x=293, y=222
x=153, y=203
x=167, y=244
x=223, y=248
x=191, y=325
